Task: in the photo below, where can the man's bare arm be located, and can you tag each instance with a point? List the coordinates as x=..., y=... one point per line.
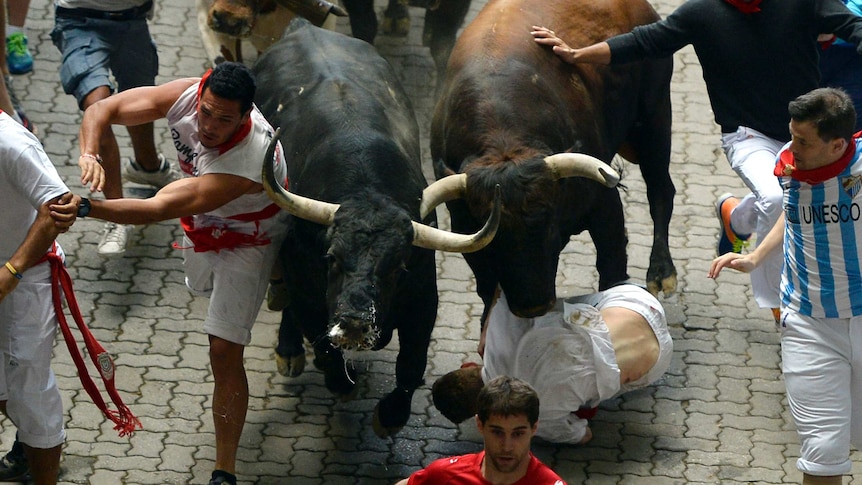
x=39, y=238
x=188, y=196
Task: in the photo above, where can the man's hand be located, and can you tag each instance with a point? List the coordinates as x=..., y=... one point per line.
x=92, y=172
x=546, y=36
x=735, y=261
x=65, y=211
x=7, y=282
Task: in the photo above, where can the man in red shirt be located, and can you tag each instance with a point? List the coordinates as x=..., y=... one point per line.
x=507, y=416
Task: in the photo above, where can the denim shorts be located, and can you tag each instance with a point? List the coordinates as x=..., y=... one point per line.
x=94, y=49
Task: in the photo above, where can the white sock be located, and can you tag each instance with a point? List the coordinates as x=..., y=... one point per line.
x=12, y=29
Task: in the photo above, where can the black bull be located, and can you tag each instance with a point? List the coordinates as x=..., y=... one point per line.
x=507, y=103
x=357, y=263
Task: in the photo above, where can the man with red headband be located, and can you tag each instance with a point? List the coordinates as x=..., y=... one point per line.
x=232, y=229
x=820, y=171
x=757, y=56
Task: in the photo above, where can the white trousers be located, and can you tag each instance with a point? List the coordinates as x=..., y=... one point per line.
x=821, y=363
x=752, y=156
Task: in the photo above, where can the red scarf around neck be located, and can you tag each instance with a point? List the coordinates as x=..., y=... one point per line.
x=745, y=7
x=787, y=166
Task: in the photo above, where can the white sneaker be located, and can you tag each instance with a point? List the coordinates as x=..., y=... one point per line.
x=132, y=172
x=114, y=239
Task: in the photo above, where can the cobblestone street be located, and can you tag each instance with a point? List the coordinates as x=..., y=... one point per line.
x=719, y=416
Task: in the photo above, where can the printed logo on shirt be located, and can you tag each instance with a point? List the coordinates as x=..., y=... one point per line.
x=823, y=214
x=185, y=154
x=851, y=184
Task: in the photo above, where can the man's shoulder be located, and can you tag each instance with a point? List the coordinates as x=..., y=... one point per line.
x=541, y=474
x=440, y=471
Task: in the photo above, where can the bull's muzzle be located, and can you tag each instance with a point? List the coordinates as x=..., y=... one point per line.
x=354, y=331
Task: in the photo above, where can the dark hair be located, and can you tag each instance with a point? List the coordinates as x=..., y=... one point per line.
x=829, y=109
x=455, y=393
x=508, y=396
x=460, y=395
x=234, y=81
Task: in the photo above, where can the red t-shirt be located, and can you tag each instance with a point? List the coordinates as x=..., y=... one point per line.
x=467, y=470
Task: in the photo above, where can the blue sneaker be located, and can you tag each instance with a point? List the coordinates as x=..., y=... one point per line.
x=728, y=239
x=18, y=55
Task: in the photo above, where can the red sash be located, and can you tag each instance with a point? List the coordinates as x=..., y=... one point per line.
x=214, y=238
x=125, y=422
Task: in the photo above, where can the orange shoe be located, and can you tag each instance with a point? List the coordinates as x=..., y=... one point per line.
x=728, y=239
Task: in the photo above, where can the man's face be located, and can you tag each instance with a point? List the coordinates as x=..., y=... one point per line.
x=218, y=119
x=507, y=444
x=809, y=150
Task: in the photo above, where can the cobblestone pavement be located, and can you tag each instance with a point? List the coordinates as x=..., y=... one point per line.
x=718, y=416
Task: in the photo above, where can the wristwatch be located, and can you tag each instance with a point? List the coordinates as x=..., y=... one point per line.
x=84, y=207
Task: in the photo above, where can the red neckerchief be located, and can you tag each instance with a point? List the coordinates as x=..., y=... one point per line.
x=786, y=166
x=745, y=7
x=241, y=133
x=125, y=422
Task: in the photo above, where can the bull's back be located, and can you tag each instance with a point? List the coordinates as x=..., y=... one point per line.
x=330, y=73
x=499, y=77
x=333, y=90
x=503, y=27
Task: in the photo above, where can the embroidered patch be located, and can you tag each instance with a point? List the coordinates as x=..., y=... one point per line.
x=106, y=366
x=851, y=185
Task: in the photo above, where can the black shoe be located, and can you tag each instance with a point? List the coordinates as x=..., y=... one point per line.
x=221, y=477
x=14, y=466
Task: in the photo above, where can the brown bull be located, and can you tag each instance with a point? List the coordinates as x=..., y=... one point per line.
x=508, y=103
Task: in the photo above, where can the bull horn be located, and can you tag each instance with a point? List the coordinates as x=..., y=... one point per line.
x=309, y=209
x=446, y=189
x=315, y=11
x=581, y=165
x=437, y=239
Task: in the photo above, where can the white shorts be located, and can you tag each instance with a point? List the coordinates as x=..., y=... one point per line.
x=28, y=325
x=820, y=357
x=235, y=281
x=639, y=300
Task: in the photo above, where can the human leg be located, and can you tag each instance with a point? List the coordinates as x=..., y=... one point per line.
x=230, y=400
x=85, y=46
x=752, y=156
x=135, y=63
x=28, y=388
x=239, y=281
x=816, y=363
x=45, y=464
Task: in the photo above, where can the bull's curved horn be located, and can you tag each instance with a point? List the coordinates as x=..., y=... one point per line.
x=432, y=238
x=446, y=189
x=309, y=209
x=582, y=165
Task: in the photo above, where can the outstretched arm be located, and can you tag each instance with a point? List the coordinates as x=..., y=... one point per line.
x=192, y=195
x=599, y=53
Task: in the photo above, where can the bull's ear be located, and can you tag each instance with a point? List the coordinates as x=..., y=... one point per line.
x=441, y=169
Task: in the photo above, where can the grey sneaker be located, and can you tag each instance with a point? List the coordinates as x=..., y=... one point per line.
x=132, y=172
x=114, y=240
x=14, y=466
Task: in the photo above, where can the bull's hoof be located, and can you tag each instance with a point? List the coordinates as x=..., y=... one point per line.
x=380, y=430
x=396, y=27
x=396, y=21
x=666, y=286
x=392, y=412
x=290, y=366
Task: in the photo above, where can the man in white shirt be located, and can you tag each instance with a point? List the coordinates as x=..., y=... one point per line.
x=598, y=347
